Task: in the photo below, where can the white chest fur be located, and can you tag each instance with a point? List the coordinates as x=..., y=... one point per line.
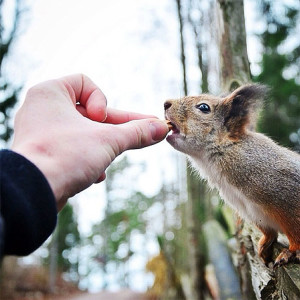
x=232, y=196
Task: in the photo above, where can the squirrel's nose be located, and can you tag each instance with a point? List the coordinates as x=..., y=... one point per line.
x=167, y=105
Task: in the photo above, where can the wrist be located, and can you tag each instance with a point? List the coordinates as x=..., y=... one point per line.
x=48, y=166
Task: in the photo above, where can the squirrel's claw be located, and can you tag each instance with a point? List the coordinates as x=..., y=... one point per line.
x=287, y=256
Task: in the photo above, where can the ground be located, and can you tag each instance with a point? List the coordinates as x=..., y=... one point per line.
x=121, y=295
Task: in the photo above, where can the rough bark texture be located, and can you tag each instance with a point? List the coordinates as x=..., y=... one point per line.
x=266, y=283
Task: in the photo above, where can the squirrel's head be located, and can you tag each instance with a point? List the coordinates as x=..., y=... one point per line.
x=207, y=121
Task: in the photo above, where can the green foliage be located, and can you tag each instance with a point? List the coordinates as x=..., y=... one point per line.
x=67, y=238
x=126, y=218
x=124, y=213
x=8, y=91
x=280, y=69
x=118, y=225
x=64, y=243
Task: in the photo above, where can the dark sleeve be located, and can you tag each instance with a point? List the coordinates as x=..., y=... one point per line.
x=28, y=208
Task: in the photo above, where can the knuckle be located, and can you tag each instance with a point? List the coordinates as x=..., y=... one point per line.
x=141, y=137
x=41, y=89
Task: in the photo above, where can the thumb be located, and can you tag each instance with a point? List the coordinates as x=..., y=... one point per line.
x=141, y=133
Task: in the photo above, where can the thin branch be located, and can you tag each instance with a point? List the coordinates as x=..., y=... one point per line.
x=182, y=51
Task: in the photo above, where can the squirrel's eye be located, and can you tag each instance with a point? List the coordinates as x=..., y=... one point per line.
x=203, y=107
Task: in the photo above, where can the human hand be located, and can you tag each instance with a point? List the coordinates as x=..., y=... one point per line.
x=65, y=128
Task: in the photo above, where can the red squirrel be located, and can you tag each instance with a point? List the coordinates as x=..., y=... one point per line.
x=255, y=176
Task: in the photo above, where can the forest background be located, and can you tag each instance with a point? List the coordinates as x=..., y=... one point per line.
x=135, y=228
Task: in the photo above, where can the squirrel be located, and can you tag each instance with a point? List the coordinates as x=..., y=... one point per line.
x=255, y=176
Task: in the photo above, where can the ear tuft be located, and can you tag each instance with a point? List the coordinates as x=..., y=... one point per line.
x=241, y=108
x=251, y=92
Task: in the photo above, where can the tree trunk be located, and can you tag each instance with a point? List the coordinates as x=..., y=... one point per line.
x=53, y=263
x=182, y=52
x=195, y=210
x=234, y=63
x=197, y=25
x=194, y=191
x=234, y=71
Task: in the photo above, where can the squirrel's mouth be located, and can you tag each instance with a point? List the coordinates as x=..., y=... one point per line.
x=172, y=126
x=175, y=136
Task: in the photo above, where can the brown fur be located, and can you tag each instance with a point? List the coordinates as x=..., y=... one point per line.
x=255, y=176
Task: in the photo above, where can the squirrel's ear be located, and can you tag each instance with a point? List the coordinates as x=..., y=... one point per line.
x=241, y=107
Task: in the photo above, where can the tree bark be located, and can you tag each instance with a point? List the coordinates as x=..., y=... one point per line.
x=265, y=282
x=234, y=63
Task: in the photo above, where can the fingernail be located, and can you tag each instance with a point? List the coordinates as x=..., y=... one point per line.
x=104, y=118
x=159, y=130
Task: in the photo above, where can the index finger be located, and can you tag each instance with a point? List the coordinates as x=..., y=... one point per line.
x=116, y=116
x=86, y=93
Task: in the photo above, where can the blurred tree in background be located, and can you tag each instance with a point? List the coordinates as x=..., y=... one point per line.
x=195, y=205
x=63, y=249
x=67, y=238
x=8, y=90
x=125, y=219
x=280, y=69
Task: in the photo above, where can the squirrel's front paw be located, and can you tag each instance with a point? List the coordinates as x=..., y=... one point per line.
x=287, y=256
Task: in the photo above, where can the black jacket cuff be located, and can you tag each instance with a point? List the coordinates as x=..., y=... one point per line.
x=28, y=207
